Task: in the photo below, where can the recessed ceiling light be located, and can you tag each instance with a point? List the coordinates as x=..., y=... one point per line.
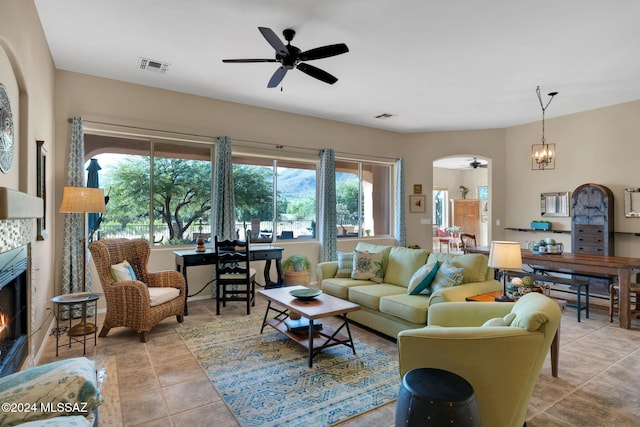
x=384, y=116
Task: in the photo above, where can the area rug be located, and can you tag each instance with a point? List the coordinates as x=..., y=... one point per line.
x=266, y=381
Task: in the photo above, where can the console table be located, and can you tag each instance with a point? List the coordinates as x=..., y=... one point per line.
x=191, y=258
x=588, y=264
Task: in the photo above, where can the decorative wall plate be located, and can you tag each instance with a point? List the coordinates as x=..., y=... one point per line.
x=6, y=131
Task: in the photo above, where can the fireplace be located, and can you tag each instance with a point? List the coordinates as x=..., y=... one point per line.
x=13, y=310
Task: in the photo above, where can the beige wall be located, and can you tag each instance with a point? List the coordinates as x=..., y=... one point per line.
x=598, y=146
x=26, y=68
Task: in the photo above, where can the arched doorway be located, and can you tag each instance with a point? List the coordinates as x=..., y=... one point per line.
x=461, y=195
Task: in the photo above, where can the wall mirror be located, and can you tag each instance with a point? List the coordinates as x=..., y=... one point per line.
x=554, y=204
x=632, y=202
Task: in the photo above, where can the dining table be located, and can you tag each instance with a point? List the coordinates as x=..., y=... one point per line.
x=606, y=266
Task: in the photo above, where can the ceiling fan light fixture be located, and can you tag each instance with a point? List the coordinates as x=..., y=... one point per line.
x=543, y=154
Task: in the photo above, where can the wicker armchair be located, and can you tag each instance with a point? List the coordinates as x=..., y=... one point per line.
x=128, y=301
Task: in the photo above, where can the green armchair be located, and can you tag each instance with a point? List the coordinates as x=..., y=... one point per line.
x=502, y=363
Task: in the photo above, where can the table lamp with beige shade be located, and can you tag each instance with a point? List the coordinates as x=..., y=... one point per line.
x=83, y=200
x=505, y=256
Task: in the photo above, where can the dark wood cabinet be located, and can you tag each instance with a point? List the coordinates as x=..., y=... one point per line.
x=592, y=226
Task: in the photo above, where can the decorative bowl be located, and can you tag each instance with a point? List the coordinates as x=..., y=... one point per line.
x=305, y=293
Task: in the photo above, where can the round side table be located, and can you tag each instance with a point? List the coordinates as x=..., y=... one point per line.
x=82, y=298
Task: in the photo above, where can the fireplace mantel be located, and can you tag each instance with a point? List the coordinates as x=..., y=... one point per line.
x=18, y=205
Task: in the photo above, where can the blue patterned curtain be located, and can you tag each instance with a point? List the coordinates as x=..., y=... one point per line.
x=400, y=226
x=73, y=222
x=327, y=232
x=224, y=215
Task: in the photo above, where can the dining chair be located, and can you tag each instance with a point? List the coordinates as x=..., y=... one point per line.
x=235, y=279
x=468, y=240
x=614, y=292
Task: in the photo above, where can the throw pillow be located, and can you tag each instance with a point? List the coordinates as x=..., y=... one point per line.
x=447, y=276
x=345, y=264
x=500, y=321
x=122, y=271
x=421, y=281
x=367, y=266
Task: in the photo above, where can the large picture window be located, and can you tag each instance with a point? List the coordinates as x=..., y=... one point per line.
x=161, y=190
x=363, y=199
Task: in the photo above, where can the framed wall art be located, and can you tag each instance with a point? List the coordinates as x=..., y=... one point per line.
x=417, y=188
x=417, y=204
x=41, y=188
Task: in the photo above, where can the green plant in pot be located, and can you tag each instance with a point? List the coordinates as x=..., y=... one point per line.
x=296, y=270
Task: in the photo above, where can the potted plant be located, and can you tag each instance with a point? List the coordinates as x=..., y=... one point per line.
x=296, y=270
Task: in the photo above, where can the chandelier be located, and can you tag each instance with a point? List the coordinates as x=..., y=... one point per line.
x=543, y=154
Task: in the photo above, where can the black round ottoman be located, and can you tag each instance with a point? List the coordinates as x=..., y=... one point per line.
x=434, y=397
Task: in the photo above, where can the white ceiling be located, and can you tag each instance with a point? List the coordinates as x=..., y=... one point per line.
x=433, y=64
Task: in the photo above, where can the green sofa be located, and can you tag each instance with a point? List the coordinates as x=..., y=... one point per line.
x=387, y=307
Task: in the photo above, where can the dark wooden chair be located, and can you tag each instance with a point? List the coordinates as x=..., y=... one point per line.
x=468, y=240
x=614, y=290
x=235, y=279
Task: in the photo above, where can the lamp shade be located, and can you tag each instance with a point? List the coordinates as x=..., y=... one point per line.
x=82, y=200
x=505, y=255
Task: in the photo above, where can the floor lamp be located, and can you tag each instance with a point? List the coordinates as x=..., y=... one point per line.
x=83, y=200
x=505, y=256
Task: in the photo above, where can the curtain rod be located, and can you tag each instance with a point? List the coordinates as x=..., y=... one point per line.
x=270, y=144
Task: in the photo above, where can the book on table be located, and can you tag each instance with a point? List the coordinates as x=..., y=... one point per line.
x=301, y=325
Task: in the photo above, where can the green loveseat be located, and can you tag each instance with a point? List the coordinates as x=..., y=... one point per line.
x=387, y=307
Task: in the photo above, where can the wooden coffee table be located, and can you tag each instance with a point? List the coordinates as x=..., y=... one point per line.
x=555, y=344
x=315, y=340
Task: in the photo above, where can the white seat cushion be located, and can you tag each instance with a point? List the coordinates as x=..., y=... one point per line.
x=161, y=295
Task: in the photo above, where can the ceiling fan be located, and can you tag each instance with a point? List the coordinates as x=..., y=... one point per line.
x=475, y=164
x=291, y=57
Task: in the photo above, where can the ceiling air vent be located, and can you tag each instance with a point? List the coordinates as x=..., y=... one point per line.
x=153, y=65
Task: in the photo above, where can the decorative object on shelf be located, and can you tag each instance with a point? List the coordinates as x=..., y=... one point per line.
x=463, y=192
x=83, y=200
x=505, y=256
x=6, y=131
x=540, y=225
x=417, y=204
x=417, y=188
x=543, y=155
x=296, y=270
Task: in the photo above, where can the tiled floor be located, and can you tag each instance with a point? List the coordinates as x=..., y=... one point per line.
x=161, y=384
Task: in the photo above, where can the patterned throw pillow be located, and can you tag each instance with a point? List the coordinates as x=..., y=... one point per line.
x=345, y=264
x=367, y=266
x=122, y=271
x=422, y=279
x=447, y=276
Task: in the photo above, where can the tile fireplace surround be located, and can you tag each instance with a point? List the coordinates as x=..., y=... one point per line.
x=15, y=233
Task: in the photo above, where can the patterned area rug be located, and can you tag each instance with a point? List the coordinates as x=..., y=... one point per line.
x=266, y=381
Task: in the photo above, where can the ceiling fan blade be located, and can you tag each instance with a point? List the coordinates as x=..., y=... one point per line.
x=277, y=77
x=317, y=73
x=238, y=61
x=324, y=52
x=273, y=40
